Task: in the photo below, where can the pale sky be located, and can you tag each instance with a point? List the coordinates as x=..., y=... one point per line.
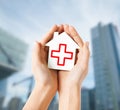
x=31, y=19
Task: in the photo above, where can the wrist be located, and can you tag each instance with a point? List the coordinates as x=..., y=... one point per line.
x=40, y=98
x=71, y=84
x=46, y=87
x=69, y=97
x=69, y=87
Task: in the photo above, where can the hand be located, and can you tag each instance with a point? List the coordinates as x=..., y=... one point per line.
x=45, y=79
x=70, y=81
x=79, y=71
x=43, y=75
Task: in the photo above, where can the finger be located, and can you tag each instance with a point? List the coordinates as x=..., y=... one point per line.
x=85, y=61
x=49, y=35
x=61, y=29
x=39, y=54
x=85, y=56
x=66, y=28
x=75, y=36
x=79, y=55
x=36, y=52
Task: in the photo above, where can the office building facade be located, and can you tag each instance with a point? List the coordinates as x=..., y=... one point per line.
x=12, y=54
x=106, y=70
x=85, y=99
x=15, y=104
x=92, y=98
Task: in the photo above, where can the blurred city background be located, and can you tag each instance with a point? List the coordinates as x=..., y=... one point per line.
x=22, y=22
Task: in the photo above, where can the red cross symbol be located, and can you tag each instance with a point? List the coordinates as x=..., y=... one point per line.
x=61, y=54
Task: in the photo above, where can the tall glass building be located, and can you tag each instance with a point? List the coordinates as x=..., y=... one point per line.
x=12, y=54
x=85, y=99
x=106, y=67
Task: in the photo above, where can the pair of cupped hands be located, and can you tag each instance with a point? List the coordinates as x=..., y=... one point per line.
x=60, y=79
x=49, y=81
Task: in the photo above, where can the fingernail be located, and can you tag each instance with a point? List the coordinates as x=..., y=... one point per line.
x=61, y=25
x=58, y=25
x=87, y=43
x=37, y=43
x=66, y=25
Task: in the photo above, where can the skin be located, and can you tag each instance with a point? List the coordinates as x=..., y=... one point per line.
x=45, y=78
x=48, y=81
x=70, y=81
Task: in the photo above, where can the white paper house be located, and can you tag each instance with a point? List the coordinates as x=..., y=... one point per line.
x=62, y=50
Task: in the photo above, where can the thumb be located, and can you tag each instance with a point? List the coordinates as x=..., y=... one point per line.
x=83, y=57
x=36, y=52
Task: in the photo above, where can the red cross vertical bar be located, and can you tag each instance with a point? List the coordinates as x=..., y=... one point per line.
x=61, y=54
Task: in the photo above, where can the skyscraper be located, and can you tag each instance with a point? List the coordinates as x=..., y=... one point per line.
x=85, y=100
x=106, y=68
x=12, y=54
x=15, y=104
x=92, y=98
